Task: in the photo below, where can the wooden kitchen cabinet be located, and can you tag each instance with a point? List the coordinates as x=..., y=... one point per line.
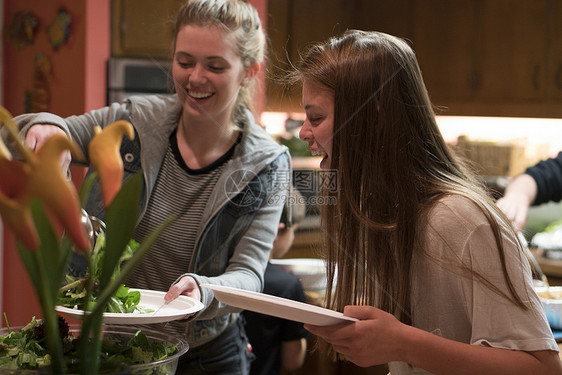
x=443, y=39
x=478, y=57
x=292, y=25
x=486, y=57
x=554, y=59
x=143, y=28
x=511, y=50
x=482, y=50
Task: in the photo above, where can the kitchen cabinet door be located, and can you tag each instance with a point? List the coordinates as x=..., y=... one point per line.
x=278, y=95
x=143, y=28
x=391, y=17
x=443, y=39
x=292, y=26
x=554, y=62
x=511, y=51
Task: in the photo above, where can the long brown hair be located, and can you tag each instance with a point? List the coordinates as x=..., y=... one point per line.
x=242, y=20
x=392, y=164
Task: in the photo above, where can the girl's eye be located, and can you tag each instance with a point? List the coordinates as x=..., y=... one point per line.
x=315, y=120
x=216, y=68
x=184, y=64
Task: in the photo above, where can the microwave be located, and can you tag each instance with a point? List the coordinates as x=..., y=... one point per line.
x=134, y=76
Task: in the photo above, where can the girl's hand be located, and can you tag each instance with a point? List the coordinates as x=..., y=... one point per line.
x=186, y=286
x=373, y=340
x=38, y=134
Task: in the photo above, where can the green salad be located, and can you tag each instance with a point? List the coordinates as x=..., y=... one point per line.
x=73, y=293
x=25, y=349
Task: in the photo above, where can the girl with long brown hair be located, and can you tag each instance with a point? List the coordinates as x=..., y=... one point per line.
x=416, y=249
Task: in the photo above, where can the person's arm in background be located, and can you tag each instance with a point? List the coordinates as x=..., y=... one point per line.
x=293, y=354
x=539, y=184
x=518, y=197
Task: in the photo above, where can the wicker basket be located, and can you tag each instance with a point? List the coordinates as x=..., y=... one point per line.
x=498, y=159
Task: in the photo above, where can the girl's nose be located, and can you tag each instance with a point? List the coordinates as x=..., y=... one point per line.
x=197, y=74
x=306, y=131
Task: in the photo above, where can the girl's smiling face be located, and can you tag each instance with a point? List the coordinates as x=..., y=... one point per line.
x=207, y=71
x=318, y=127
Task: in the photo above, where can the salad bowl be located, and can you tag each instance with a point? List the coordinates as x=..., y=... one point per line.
x=118, y=343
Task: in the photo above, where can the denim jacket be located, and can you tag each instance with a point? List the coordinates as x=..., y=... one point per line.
x=243, y=212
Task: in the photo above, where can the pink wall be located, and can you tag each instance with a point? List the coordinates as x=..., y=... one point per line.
x=77, y=79
x=98, y=41
x=76, y=85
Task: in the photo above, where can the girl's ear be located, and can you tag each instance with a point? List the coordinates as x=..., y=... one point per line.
x=252, y=70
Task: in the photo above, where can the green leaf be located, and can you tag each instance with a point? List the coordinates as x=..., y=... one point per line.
x=45, y=272
x=66, y=249
x=122, y=292
x=121, y=219
x=114, y=306
x=86, y=186
x=131, y=300
x=48, y=253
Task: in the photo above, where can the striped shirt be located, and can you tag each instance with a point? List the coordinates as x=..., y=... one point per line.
x=182, y=192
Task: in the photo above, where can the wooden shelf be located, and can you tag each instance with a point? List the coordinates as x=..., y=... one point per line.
x=551, y=267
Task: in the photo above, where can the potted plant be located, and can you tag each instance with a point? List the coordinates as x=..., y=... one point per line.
x=44, y=211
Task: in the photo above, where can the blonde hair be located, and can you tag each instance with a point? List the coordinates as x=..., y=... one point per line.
x=242, y=20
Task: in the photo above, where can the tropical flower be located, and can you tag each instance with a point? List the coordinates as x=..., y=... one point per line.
x=106, y=159
x=14, y=201
x=39, y=175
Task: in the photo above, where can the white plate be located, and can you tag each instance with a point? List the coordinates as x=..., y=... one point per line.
x=277, y=306
x=150, y=299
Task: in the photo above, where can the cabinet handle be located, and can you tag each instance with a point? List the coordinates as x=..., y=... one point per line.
x=558, y=77
x=536, y=75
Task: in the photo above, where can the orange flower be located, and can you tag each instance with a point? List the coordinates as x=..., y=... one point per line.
x=106, y=159
x=38, y=175
x=57, y=193
x=14, y=201
x=14, y=195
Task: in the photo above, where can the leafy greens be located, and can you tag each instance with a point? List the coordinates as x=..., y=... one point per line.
x=25, y=349
x=73, y=293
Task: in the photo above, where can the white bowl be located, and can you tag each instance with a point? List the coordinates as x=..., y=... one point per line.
x=310, y=271
x=551, y=299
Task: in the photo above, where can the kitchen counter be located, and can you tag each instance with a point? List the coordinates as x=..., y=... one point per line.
x=552, y=268
x=305, y=245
